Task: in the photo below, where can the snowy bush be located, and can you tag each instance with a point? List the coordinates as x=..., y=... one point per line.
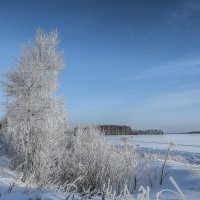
x=92, y=159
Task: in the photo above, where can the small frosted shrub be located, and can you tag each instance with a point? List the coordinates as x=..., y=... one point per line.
x=96, y=161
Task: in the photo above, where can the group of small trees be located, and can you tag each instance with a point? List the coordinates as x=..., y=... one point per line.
x=38, y=135
x=115, y=129
x=126, y=130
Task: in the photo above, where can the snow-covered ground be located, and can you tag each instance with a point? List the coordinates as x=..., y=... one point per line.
x=185, y=173
x=11, y=188
x=187, y=177
x=184, y=142
x=186, y=148
x=183, y=163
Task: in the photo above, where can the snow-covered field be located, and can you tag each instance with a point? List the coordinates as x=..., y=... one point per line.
x=187, y=177
x=186, y=147
x=185, y=171
x=184, y=142
x=183, y=163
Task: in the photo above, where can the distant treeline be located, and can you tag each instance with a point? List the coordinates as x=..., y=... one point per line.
x=126, y=130
x=115, y=130
x=148, y=132
x=191, y=132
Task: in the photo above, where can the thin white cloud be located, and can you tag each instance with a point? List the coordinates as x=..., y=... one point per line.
x=194, y=5
x=171, y=69
x=181, y=17
x=156, y=48
x=170, y=100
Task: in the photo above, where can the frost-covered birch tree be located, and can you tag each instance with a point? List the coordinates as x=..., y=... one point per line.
x=36, y=119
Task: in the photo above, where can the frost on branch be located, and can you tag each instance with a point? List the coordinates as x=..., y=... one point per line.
x=36, y=119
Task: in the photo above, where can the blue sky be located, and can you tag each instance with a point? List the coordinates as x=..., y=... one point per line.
x=127, y=62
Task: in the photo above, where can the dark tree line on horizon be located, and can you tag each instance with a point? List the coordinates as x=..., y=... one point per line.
x=126, y=130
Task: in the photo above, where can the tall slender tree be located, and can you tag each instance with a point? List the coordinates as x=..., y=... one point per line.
x=36, y=120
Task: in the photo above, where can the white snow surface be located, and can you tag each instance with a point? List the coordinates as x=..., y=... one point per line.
x=186, y=175
x=184, y=142
x=20, y=191
x=186, y=150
